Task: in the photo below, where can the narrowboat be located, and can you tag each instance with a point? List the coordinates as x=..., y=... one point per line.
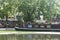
x=40, y=27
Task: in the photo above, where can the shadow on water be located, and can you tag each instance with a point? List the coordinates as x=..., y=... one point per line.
x=29, y=37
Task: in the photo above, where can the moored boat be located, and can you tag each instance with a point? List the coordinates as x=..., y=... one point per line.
x=40, y=27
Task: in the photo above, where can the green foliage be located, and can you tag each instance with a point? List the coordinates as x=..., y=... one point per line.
x=28, y=11
x=30, y=8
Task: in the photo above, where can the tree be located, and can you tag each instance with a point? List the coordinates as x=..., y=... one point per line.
x=30, y=8
x=28, y=11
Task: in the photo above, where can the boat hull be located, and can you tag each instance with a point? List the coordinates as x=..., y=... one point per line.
x=36, y=29
x=52, y=27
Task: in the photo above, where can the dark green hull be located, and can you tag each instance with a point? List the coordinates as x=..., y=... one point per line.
x=36, y=29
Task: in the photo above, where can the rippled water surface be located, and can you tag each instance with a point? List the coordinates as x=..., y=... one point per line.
x=29, y=37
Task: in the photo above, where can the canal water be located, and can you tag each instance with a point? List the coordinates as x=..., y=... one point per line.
x=29, y=37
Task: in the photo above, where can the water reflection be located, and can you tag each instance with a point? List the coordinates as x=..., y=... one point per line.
x=29, y=37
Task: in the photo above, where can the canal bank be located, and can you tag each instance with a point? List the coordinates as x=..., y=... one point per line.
x=27, y=32
x=23, y=35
